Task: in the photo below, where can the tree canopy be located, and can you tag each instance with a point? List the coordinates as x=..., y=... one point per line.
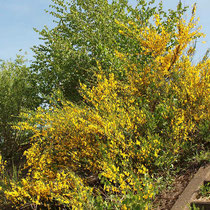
x=17, y=92
x=86, y=33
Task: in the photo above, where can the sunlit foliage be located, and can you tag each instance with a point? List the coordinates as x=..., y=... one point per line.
x=17, y=92
x=104, y=153
x=85, y=32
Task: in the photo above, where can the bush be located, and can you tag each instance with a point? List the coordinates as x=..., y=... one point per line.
x=17, y=92
x=105, y=152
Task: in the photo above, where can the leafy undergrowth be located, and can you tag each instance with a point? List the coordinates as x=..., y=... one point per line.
x=118, y=148
x=204, y=191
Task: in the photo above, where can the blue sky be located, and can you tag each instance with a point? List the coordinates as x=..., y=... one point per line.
x=18, y=17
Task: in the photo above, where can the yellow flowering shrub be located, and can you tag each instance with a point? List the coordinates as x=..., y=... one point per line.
x=3, y=179
x=103, y=153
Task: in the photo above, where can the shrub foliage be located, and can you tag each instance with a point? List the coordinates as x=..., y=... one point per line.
x=105, y=152
x=17, y=92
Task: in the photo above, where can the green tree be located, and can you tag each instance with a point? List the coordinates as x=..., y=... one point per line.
x=17, y=92
x=86, y=31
